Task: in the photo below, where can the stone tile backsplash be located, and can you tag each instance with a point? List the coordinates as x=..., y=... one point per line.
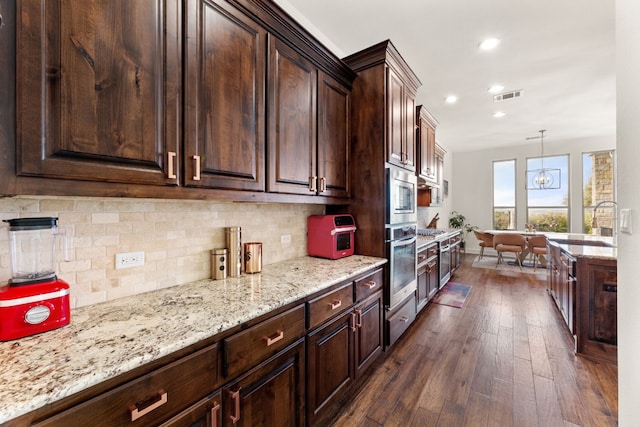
x=176, y=236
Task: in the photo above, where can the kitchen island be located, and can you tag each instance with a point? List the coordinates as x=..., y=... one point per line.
x=105, y=341
x=583, y=283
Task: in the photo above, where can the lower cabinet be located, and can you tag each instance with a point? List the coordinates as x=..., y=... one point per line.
x=597, y=308
x=427, y=275
x=340, y=351
x=562, y=284
x=150, y=399
x=271, y=394
x=400, y=319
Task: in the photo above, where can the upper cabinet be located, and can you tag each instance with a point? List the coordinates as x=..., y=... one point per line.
x=388, y=78
x=98, y=90
x=426, y=146
x=308, y=126
x=137, y=98
x=224, y=101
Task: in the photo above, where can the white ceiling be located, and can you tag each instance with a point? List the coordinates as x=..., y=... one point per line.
x=561, y=53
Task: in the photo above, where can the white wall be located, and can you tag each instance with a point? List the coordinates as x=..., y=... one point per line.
x=470, y=185
x=628, y=112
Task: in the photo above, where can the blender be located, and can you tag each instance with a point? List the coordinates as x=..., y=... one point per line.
x=34, y=300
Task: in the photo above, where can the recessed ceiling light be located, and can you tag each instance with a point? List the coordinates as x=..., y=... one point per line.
x=499, y=114
x=451, y=99
x=489, y=44
x=496, y=89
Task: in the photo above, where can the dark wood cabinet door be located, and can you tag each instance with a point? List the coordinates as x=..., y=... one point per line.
x=99, y=90
x=225, y=55
x=409, y=133
x=368, y=335
x=433, y=281
x=271, y=394
x=292, y=119
x=422, y=289
x=329, y=363
x=395, y=122
x=426, y=143
x=333, y=137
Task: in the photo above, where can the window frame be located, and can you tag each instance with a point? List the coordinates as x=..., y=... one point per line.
x=566, y=186
x=513, y=224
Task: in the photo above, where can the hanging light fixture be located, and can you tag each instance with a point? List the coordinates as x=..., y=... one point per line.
x=543, y=178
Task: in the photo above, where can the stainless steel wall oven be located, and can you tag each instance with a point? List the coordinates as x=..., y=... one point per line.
x=401, y=251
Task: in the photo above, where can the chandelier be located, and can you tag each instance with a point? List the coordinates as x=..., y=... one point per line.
x=543, y=178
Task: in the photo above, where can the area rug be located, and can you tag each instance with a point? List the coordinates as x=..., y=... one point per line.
x=509, y=265
x=452, y=294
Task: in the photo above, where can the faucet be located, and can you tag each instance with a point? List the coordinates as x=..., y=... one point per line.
x=594, y=221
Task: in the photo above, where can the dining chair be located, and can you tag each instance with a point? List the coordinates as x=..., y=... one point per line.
x=485, y=240
x=537, y=246
x=509, y=242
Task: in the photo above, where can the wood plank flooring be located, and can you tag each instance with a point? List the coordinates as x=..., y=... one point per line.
x=504, y=359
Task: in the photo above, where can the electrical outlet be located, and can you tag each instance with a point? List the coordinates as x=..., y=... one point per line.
x=285, y=239
x=129, y=259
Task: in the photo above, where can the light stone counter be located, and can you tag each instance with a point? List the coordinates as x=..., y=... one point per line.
x=108, y=339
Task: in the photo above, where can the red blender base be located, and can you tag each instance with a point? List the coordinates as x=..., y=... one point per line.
x=30, y=309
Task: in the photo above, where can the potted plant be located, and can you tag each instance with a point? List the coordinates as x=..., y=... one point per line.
x=457, y=221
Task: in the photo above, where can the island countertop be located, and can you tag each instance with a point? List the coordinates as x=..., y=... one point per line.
x=111, y=338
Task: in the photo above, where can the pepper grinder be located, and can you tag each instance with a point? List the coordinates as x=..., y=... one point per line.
x=234, y=245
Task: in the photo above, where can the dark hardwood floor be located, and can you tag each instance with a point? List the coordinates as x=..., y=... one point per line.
x=505, y=359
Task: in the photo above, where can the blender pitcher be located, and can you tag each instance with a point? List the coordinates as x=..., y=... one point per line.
x=33, y=243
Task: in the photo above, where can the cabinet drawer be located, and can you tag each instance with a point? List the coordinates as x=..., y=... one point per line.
x=150, y=399
x=370, y=284
x=400, y=321
x=245, y=349
x=326, y=306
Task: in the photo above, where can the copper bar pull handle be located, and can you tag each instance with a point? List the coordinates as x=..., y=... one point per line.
x=136, y=412
x=196, y=176
x=404, y=319
x=275, y=338
x=313, y=183
x=214, y=414
x=353, y=321
x=171, y=159
x=323, y=184
x=235, y=395
x=359, y=317
x=337, y=303
x=371, y=284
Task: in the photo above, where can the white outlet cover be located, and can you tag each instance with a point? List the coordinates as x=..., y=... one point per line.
x=129, y=259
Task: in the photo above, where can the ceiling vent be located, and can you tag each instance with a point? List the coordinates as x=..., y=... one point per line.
x=507, y=95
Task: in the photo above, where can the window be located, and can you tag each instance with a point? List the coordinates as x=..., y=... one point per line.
x=548, y=210
x=504, y=195
x=598, y=186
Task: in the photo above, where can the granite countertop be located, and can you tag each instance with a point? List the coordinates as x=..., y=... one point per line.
x=108, y=339
x=576, y=244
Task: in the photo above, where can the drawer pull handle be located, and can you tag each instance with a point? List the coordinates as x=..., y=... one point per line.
x=235, y=395
x=160, y=399
x=422, y=257
x=404, y=319
x=359, y=317
x=370, y=284
x=196, y=176
x=337, y=303
x=171, y=158
x=275, y=338
x=214, y=414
